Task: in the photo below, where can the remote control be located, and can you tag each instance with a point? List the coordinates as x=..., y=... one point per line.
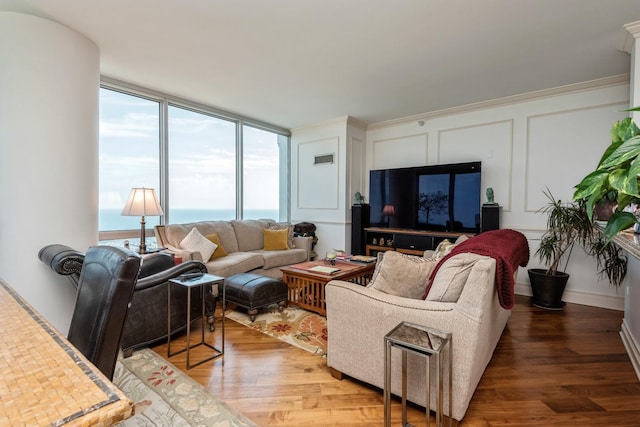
x=190, y=276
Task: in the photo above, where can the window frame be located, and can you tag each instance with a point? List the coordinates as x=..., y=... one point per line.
x=165, y=101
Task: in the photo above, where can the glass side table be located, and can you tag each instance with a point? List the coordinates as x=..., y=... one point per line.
x=424, y=342
x=200, y=281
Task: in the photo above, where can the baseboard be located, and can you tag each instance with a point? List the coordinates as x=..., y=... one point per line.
x=578, y=297
x=630, y=344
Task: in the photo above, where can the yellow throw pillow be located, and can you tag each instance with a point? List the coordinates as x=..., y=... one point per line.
x=275, y=240
x=219, y=252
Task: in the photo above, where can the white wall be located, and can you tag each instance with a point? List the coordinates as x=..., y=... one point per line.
x=323, y=194
x=526, y=146
x=49, y=80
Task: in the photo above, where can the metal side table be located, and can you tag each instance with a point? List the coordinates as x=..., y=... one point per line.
x=196, y=281
x=424, y=342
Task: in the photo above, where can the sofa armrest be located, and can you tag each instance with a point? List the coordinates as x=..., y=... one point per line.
x=304, y=243
x=183, y=253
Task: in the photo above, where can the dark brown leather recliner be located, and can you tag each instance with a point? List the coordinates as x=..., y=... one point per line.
x=105, y=289
x=147, y=320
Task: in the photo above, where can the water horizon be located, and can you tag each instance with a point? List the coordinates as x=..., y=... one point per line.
x=113, y=220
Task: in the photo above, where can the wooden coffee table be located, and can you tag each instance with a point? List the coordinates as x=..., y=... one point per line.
x=306, y=288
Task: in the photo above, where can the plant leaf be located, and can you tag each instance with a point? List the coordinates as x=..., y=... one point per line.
x=591, y=184
x=619, y=221
x=620, y=180
x=625, y=152
x=610, y=149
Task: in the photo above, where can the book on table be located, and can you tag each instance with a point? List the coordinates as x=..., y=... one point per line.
x=324, y=269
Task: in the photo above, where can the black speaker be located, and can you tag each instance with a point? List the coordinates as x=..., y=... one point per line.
x=490, y=218
x=359, y=221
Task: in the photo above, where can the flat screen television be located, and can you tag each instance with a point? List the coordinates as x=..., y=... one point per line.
x=433, y=198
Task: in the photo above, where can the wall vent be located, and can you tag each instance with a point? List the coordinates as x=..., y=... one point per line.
x=323, y=159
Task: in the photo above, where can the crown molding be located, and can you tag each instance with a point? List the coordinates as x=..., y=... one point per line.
x=342, y=120
x=498, y=102
x=627, y=36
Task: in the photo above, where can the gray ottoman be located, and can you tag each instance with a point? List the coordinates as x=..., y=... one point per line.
x=253, y=291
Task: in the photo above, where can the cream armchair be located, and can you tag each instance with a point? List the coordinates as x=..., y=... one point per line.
x=358, y=318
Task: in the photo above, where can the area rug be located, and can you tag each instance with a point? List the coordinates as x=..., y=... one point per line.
x=293, y=325
x=165, y=396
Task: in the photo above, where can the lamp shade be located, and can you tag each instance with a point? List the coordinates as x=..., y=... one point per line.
x=388, y=210
x=142, y=202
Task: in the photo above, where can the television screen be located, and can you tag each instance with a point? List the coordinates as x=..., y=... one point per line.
x=437, y=198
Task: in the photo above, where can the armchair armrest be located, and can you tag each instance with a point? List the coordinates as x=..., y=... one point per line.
x=63, y=260
x=155, y=263
x=162, y=277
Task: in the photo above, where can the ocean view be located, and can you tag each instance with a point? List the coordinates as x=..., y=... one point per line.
x=112, y=220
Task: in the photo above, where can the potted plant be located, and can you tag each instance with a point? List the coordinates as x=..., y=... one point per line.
x=569, y=224
x=615, y=177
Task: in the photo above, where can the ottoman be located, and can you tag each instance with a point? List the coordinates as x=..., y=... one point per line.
x=253, y=291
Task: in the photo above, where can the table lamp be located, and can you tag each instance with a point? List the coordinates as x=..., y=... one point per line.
x=388, y=211
x=142, y=202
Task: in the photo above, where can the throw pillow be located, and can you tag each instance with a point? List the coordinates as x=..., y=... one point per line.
x=461, y=239
x=196, y=242
x=442, y=249
x=219, y=252
x=275, y=240
x=289, y=228
x=402, y=275
x=451, y=278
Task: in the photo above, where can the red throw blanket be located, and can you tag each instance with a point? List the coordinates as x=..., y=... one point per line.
x=508, y=247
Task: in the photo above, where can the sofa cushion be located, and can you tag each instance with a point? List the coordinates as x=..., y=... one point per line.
x=402, y=275
x=196, y=242
x=275, y=240
x=274, y=259
x=451, y=277
x=235, y=262
x=219, y=252
x=249, y=233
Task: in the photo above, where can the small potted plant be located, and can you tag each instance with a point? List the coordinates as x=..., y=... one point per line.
x=569, y=224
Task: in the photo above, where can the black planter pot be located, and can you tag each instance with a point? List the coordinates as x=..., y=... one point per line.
x=547, y=289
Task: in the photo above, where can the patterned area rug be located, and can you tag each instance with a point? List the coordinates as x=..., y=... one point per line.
x=293, y=325
x=164, y=396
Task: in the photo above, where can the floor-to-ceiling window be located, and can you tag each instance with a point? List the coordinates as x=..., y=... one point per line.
x=261, y=173
x=129, y=155
x=202, y=167
x=205, y=164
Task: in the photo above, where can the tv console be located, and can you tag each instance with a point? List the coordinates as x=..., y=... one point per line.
x=412, y=242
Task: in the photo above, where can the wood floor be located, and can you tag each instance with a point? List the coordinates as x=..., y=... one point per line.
x=550, y=368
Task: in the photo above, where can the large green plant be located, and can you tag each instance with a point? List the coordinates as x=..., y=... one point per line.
x=616, y=175
x=569, y=224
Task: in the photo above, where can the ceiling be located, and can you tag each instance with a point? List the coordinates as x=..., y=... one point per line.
x=298, y=62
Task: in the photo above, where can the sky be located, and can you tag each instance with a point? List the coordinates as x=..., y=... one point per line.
x=201, y=152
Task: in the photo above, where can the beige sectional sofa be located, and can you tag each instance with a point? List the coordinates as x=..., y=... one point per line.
x=467, y=304
x=243, y=242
